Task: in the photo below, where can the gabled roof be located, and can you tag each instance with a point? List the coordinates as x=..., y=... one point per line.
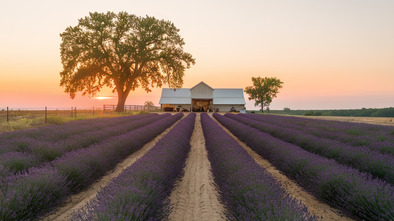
x=175, y=96
x=202, y=82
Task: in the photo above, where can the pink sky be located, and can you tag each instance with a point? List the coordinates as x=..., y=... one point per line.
x=329, y=54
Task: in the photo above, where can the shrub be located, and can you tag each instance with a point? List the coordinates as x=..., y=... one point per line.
x=24, y=197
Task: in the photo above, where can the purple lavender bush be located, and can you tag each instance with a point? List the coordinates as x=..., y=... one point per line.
x=83, y=166
x=4, y=171
x=140, y=192
x=18, y=162
x=247, y=189
x=375, y=137
x=377, y=164
x=21, y=140
x=26, y=196
x=354, y=192
x=23, y=197
x=37, y=152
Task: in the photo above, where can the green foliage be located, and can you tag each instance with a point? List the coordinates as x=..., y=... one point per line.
x=121, y=51
x=47, y=153
x=313, y=113
x=263, y=90
x=149, y=104
x=20, y=124
x=386, y=112
x=56, y=120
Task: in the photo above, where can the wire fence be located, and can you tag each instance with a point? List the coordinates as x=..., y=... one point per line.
x=107, y=107
x=9, y=114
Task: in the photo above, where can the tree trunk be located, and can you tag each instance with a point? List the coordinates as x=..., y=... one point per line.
x=121, y=100
x=120, y=105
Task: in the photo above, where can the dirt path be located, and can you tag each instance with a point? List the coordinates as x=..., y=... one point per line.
x=77, y=201
x=314, y=206
x=194, y=196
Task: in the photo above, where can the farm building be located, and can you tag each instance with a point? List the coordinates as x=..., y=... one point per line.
x=202, y=97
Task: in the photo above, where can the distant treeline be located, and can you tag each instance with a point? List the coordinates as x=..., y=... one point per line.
x=364, y=112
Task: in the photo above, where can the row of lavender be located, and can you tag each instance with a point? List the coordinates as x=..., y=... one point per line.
x=377, y=164
x=36, y=152
x=247, y=189
x=354, y=192
x=23, y=139
x=26, y=196
x=375, y=137
x=56, y=132
x=141, y=190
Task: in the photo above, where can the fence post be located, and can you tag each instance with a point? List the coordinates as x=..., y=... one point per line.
x=93, y=111
x=72, y=112
x=75, y=114
x=46, y=120
x=8, y=119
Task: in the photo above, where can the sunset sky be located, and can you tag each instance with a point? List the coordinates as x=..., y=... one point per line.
x=336, y=54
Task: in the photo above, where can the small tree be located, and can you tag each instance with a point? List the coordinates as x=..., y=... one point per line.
x=149, y=105
x=286, y=110
x=123, y=52
x=263, y=90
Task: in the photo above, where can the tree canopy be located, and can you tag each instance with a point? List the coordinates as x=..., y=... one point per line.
x=123, y=52
x=263, y=90
x=149, y=104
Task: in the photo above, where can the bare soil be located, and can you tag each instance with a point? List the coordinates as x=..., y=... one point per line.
x=78, y=201
x=195, y=196
x=388, y=121
x=315, y=207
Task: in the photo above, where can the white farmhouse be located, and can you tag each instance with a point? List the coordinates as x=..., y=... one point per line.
x=202, y=98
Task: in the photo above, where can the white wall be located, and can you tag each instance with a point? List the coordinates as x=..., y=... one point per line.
x=201, y=91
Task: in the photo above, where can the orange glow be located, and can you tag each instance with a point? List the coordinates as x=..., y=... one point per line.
x=104, y=98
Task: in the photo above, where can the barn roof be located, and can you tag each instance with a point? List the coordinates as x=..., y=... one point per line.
x=202, y=82
x=228, y=96
x=175, y=96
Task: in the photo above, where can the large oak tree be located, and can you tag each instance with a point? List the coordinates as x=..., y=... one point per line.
x=123, y=52
x=263, y=90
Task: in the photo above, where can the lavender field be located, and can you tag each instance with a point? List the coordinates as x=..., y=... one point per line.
x=31, y=191
x=347, y=166
x=346, y=186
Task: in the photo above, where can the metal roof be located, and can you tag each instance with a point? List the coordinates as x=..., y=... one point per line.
x=175, y=96
x=202, y=82
x=228, y=96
